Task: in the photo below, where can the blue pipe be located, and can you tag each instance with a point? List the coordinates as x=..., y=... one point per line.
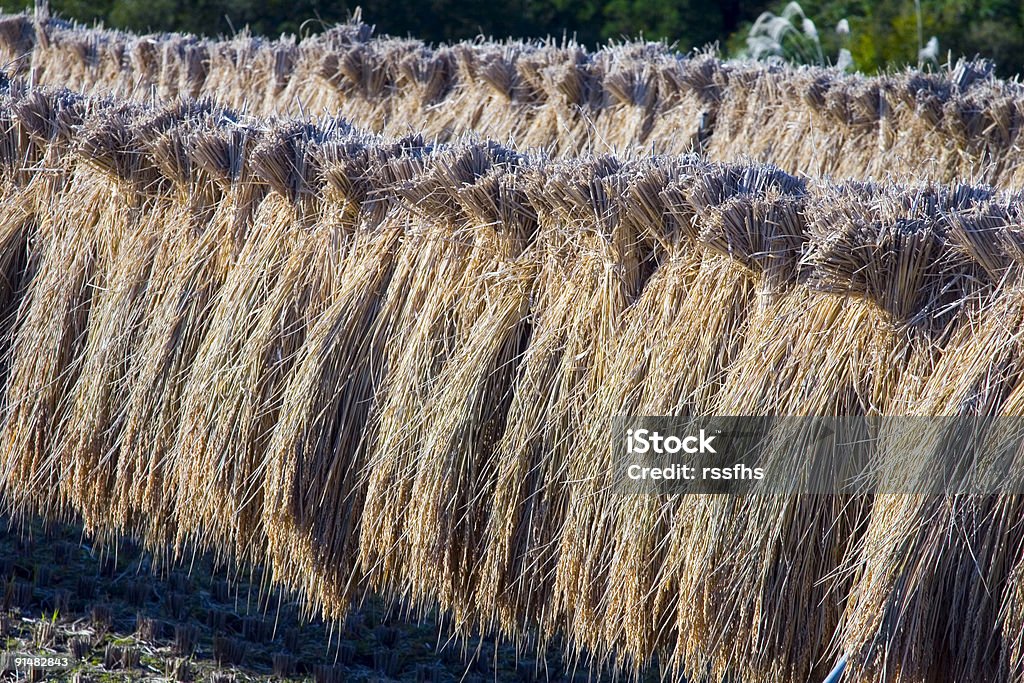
x=837, y=672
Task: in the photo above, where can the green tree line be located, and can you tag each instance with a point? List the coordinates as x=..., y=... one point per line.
x=881, y=35
x=890, y=34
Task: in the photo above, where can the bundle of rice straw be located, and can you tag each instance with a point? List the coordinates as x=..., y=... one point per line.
x=316, y=456
x=206, y=241
x=725, y=263
x=82, y=228
x=934, y=588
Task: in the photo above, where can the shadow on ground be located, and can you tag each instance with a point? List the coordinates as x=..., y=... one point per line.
x=91, y=615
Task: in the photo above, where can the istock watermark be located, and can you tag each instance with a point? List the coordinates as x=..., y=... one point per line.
x=681, y=455
x=949, y=455
x=651, y=442
x=646, y=441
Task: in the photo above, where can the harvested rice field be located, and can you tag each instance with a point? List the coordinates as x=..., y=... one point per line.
x=506, y=361
x=117, y=614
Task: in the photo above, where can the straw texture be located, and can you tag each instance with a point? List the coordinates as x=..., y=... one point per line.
x=390, y=365
x=631, y=99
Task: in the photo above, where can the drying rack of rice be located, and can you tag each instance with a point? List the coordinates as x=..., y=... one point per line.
x=628, y=99
x=382, y=364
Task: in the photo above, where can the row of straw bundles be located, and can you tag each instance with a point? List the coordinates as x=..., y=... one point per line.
x=630, y=98
x=389, y=366
x=958, y=124
x=548, y=95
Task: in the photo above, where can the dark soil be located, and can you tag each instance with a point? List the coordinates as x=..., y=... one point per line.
x=111, y=616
